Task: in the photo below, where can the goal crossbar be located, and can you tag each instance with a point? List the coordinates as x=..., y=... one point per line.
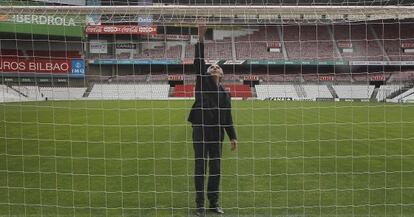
x=217, y=11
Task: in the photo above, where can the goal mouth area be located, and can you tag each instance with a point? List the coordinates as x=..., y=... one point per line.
x=228, y=14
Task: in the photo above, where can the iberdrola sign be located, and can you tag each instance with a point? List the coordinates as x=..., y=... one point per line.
x=44, y=20
x=56, y=25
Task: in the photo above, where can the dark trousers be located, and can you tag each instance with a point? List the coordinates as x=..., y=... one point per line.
x=207, y=143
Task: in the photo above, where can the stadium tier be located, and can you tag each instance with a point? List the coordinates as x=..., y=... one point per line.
x=9, y=95
x=354, y=91
x=236, y=90
x=354, y=42
x=129, y=91
x=276, y=91
x=385, y=91
x=184, y=91
x=30, y=92
x=314, y=92
x=63, y=93
x=293, y=92
x=304, y=91
x=407, y=95
x=409, y=98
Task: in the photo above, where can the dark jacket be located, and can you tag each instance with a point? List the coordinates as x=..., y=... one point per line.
x=212, y=106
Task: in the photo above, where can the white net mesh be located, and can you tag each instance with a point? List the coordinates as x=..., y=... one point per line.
x=95, y=101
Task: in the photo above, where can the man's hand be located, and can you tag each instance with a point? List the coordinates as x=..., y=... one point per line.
x=233, y=144
x=202, y=28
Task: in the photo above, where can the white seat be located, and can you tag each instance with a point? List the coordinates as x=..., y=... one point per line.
x=129, y=91
x=354, y=91
x=63, y=93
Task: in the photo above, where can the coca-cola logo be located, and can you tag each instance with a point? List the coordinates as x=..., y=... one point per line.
x=147, y=29
x=129, y=29
x=110, y=29
x=121, y=29
x=93, y=29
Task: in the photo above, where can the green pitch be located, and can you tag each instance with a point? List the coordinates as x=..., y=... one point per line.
x=134, y=158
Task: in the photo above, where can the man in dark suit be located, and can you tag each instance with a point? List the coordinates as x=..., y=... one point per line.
x=210, y=116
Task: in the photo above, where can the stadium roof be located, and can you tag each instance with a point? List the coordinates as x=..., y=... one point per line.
x=262, y=2
x=219, y=2
x=233, y=11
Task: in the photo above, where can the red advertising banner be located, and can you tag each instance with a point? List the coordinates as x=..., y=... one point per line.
x=251, y=78
x=121, y=30
x=407, y=45
x=345, y=44
x=274, y=45
x=378, y=78
x=175, y=77
x=326, y=78
x=35, y=66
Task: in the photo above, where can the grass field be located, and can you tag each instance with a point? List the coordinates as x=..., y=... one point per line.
x=134, y=158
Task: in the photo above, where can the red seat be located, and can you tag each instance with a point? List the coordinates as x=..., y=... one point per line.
x=184, y=90
x=236, y=90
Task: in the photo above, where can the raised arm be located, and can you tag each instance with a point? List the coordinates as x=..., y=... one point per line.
x=199, y=62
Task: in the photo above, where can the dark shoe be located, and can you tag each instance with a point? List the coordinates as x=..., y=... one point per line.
x=200, y=212
x=216, y=209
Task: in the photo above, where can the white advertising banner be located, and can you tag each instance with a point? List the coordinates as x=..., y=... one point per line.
x=125, y=49
x=98, y=46
x=381, y=63
x=67, y=2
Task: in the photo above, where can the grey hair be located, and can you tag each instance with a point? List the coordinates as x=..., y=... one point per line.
x=209, y=69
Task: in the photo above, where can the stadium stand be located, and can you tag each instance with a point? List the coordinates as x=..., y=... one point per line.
x=63, y=93
x=265, y=91
x=366, y=77
x=236, y=90
x=354, y=91
x=239, y=90
x=314, y=92
x=386, y=90
x=184, y=91
x=49, y=54
x=156, y=51
x=401, y=76
x=214, y=50
x=129, y=91
x=255, y=45
x=407, y=95
x=157, y=77
x=219, y=49
x=369, y=41
x=409, y=98
x=310, y=42
x=407, y=36
x=11, y=53
x=31, y=92
x=294, y=92
x=53, y=54
x=9, y=95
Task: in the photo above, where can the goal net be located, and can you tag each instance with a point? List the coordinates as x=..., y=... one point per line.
x=94, y=103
